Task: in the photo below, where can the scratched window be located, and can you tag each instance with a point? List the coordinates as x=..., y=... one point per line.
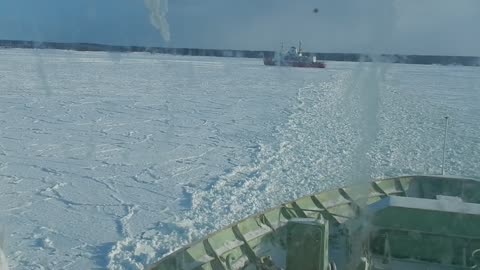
x=133, y=129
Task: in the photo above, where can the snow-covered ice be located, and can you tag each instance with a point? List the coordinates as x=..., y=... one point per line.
x=114, y=160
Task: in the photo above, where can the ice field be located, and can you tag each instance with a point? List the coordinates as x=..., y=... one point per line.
x=114, y=160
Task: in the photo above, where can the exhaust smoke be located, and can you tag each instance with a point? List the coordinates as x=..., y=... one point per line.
x=158, y=16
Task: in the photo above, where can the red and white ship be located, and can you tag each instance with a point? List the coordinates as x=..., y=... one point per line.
x=293, y=58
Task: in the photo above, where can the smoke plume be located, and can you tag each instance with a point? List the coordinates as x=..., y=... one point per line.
x=158, y=16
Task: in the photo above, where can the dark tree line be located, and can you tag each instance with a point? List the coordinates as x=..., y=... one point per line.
x=352, y=57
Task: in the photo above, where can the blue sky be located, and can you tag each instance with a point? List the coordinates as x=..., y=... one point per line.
x=400, y=26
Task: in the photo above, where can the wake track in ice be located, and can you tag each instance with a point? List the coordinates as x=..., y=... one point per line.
x=353, y=127
x=312, y=154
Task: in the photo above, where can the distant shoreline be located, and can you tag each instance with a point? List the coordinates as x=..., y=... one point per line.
x=351, y=57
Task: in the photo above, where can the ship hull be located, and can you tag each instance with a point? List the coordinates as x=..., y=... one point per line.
x=271, y=62
x=409, y=222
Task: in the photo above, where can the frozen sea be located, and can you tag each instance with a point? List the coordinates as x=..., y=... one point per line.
x=115, y=160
